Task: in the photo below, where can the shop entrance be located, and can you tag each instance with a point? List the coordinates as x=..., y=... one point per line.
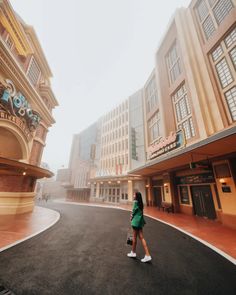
x=203, y=204
x=157, y=196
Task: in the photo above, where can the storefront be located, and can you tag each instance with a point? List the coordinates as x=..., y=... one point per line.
x=116, y=190
x=197, y=180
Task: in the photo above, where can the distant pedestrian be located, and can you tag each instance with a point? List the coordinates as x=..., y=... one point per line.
x=137, y=223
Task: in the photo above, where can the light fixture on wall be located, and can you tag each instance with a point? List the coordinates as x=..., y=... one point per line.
x=24, y=173
x=109, y=182
x=222, y=181
x=147, y=185
x=118, y=181
x=165, y=184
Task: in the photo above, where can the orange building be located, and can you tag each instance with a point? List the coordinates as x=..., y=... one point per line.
x=191, y=122
x=26, y=103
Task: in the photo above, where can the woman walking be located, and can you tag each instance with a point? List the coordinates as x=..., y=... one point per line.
x=137, y=223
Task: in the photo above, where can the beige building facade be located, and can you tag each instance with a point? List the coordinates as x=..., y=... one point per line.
x=191, y=140
x=120, y=147
x=26, y=103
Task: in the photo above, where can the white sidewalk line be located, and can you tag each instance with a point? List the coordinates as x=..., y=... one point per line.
x=220, y=252
x=57, y=217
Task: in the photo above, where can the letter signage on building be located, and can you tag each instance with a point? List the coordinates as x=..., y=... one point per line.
x=15, y=104
x=173, y=141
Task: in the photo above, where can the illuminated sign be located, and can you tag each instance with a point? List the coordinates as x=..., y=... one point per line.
x=16, y=105
x=173, y=141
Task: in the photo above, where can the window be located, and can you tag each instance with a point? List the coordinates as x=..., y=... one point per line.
x=231, y=38
x=151, y=95
x=33, y=72
x=208, y=27
x=217, y=53
x=184, y=196
x=183, y=112
x=233, y=56
x=231, y=101
x=154, y=127
x=223, y=59
x=173, y=63
x=221, y=9
x=202, y=10
x=211, y=13
x=9, y=41
x=224, y=74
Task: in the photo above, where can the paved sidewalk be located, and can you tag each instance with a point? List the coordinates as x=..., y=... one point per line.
x=15, y=228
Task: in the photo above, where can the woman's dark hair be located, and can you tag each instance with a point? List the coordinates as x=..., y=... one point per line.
x=138, y=197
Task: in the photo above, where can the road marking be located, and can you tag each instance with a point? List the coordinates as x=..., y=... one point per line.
x=222, y=253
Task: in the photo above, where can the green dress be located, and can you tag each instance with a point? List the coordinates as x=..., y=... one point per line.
x=137, y=216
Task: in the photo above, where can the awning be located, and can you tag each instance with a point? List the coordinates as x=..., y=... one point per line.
x=14, y=167
x=217, y=145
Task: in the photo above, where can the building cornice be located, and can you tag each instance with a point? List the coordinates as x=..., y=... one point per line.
x=14, y=28
x=10, y=65
x=38, y=52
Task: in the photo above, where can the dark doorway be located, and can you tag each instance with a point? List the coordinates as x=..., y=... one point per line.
x=157, y=196
x=203, y=204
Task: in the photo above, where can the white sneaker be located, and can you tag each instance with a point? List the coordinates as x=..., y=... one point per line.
x=146, y=258
x=131, y=254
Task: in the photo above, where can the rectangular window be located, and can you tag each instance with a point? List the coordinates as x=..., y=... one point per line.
x=9, y=41
x=173, y=63
x=211, y=13
x=183, y=112
x=202, y=10
x=217, y=53
x=33, y=72
x=208, y=27
x=225, y=70
x=154, y=127
x=231, y=101
x=233, y=56
x=224, y=74
x=151, y=95
x=184, y=196
x=221, y=9
x=231, y=38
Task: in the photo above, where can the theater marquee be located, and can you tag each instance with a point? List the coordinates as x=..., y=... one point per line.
x=173, y=141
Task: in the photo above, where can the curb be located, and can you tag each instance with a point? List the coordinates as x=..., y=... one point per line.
x=34, y=234
x=217, y=250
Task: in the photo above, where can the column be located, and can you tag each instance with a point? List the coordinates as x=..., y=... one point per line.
x=130, y=191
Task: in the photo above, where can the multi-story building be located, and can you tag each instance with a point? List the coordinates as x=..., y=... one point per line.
x=76, y=178
x=191, y=153
x=121, y=147
x=26, y=103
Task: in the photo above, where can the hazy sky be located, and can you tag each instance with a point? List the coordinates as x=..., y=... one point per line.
x=100, y=52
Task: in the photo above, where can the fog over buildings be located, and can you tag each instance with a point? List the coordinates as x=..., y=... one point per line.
x=100, y=52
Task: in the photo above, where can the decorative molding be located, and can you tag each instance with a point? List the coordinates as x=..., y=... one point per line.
x=16, y=105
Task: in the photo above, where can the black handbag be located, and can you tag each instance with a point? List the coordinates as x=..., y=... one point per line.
x=129, y=240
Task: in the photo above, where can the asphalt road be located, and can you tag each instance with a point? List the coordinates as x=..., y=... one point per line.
x=85, y=253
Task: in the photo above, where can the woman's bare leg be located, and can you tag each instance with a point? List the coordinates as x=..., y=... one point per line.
x=145, y=247
x=134, y=241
